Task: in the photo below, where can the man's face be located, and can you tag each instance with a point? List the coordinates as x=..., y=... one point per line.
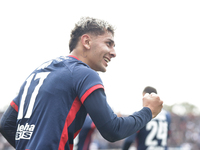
x=101, y=51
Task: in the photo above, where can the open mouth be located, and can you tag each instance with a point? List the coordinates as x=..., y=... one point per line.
x=107, y=60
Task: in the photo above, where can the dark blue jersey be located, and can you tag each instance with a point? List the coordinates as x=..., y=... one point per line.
x=153, y=136
x=83, y=139
x=52, y=104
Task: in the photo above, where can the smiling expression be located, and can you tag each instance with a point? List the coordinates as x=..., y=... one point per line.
x=101, y=51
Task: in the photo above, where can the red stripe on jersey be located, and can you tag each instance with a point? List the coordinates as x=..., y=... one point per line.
x=88, y=138
x=73, y=57
x=13, y=105
x=93, y=125
x=70, y=117
x=71, y=146
x=76, y=133
x=89, y=91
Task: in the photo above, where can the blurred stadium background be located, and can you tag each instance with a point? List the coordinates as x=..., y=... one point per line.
x=38, y=30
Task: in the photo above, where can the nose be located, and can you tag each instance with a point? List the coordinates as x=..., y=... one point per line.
x=113, y=53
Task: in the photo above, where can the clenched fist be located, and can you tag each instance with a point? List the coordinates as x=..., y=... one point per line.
x=153, y=102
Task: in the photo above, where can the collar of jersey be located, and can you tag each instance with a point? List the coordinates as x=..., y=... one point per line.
x=73, y=57
x=78, y=59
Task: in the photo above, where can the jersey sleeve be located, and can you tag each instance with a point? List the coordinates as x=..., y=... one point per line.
x=85, y=82
x=8, y=124
x=111, y=127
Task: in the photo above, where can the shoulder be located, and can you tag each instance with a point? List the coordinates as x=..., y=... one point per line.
x=77, y=67
x=166, y=113
x=85, y=80
x=84, y=76
x=163, y=115
x=83, y=71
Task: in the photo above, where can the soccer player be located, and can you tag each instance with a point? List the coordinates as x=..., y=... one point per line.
x=54, y=100
x=154, y=135
x=83, y=139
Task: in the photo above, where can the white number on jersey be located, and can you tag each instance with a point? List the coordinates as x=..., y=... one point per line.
x=159, y=131
x=41, y=76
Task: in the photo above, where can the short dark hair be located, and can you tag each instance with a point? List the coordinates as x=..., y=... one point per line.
x=149, y=90
x=88, y=25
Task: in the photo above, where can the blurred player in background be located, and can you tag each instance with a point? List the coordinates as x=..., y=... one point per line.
x=83, y=139
x=155, y=134
x=54, y=100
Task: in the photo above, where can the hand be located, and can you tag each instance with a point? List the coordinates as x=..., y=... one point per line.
x=153, y=102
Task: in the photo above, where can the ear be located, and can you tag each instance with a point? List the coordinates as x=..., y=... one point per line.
x=85, y=40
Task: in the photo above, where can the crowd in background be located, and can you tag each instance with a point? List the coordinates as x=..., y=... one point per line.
x=185, y=133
